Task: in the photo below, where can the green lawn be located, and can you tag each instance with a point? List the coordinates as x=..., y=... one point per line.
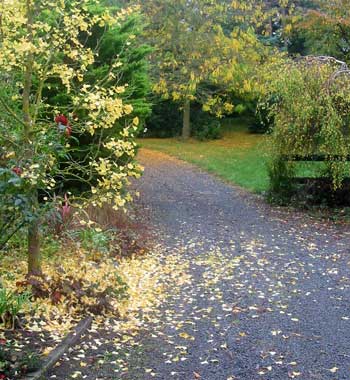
x=238, y=157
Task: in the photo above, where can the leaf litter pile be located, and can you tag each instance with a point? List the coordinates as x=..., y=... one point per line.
x=116, y=293
x=111, y=281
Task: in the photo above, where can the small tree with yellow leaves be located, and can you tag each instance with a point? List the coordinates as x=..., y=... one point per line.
x=42, y=42
x=204, y=51
x=191, y=52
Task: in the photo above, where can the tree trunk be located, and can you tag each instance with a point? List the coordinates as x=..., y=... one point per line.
x=284, y=24
x=271, y=27
x=186, y=127
x=34, y=262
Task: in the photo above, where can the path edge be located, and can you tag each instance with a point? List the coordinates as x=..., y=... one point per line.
x=55, y=355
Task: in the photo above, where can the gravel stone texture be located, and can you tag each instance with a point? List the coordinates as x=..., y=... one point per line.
x=269, y=293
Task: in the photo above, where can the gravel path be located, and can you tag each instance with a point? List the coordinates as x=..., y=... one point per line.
x=265, y=293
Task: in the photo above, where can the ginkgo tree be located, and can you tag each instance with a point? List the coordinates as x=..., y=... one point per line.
x=42, y=42
x=205, y=51
x=191, y=52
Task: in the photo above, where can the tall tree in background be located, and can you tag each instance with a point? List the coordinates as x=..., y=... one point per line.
x=271, y=20
x=324, y=30
x=195, y=53
x=185, y=38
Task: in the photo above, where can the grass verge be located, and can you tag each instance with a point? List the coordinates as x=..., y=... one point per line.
x=238, y=157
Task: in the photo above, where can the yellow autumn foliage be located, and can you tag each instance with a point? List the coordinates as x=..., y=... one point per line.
x=76, y=284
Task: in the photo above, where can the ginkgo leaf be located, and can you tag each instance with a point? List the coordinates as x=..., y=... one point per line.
x=334, y=369
x=185, y=335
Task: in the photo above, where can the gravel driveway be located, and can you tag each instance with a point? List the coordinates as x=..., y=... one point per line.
x=267, y=293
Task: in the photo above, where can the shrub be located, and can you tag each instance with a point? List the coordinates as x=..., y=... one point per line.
x=281, y=187
x=206, y=128
x=95, y=240
x=11, y=304
x=310, y=118
x=85, y=141
x=165, y=120
x=61, y=217
x=264, y=120
x=15, y=210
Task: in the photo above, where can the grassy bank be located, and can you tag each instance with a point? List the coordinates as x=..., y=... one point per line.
x=238, y=157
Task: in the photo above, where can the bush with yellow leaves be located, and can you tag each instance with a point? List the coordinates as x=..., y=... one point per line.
x=44, y=46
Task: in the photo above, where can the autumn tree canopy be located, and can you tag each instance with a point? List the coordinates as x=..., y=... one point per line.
x=199, y=53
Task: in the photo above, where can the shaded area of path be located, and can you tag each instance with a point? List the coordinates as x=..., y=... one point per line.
x=265, y=294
